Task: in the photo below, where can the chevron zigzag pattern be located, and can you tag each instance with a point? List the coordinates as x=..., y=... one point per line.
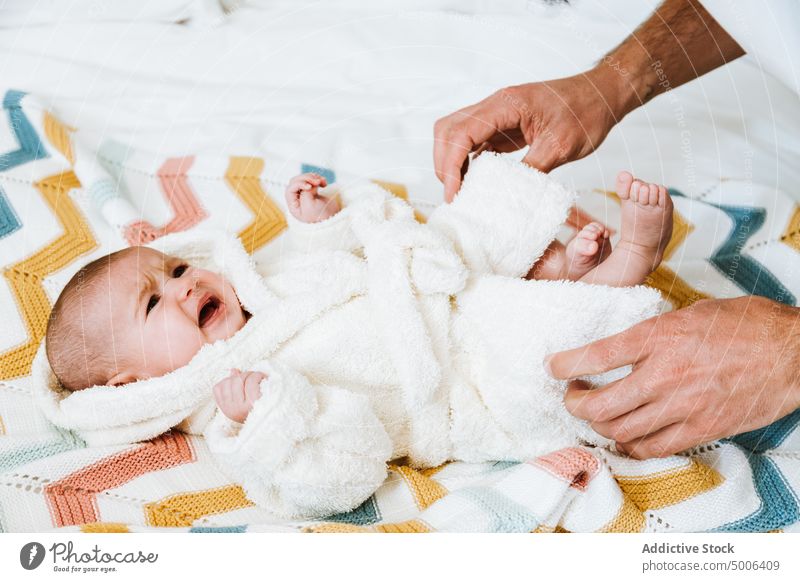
x=54, y=480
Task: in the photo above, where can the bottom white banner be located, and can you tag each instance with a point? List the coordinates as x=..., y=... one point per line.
x=121, y=557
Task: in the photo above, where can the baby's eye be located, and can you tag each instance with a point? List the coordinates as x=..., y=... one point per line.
x=179, y=270
x=152, y=303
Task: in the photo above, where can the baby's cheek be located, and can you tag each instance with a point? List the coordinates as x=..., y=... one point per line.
x=180, y=346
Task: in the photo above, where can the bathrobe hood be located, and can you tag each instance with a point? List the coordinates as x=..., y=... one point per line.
x=141, y=410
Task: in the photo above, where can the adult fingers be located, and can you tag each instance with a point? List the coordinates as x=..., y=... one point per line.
x=441, y=130
x=543, y=156
x=645, y=420
x=453, y=142
x=608, y=402
x=509, y=140
x=667, y=441
x=626, y=347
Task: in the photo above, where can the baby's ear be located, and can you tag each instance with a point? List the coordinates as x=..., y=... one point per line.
x=121, y=379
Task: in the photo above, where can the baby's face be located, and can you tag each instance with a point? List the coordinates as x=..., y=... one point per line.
x=161, y=311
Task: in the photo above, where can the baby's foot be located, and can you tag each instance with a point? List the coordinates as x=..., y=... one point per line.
x=646, y=225
x=587, y=250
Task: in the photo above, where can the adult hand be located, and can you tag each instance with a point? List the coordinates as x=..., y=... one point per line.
x=561, y=121
x=566, y=119
x=712, y=370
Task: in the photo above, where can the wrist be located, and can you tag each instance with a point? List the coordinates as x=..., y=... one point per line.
x=794, y=355
x=614, y=83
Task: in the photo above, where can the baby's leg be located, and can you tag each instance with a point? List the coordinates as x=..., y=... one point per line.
x=645, y=231
x=582, y=254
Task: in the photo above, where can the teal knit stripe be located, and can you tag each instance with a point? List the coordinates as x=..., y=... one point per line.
x=779, y=504
x=102, y=191
x=24, y=455
x=365, y=514
x=769, y=437
x=228, y=529
x=505, y=514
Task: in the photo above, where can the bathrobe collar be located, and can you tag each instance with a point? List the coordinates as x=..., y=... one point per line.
x=105, y=415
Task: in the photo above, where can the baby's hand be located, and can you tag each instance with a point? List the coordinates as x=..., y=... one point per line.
x=305, y=202
x=236, y=394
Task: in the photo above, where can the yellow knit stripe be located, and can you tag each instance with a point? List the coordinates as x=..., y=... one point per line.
x=425, y=490
x=58, y=135
x=409, y=526
x=431, y=471
x=669, y=487
x=242, y=177
x=25, y=278
x=629, y=519
x=673, y=288
x=101, y=527
x=337, y=528
x=681, y=229
x=185, y=508
x=550, y=529
x=2, y=426
x=791, y=236
x=401, y=192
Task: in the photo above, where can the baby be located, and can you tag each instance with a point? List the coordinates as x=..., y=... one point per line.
x=412, y=340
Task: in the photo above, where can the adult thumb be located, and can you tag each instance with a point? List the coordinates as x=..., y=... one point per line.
x=543, y=156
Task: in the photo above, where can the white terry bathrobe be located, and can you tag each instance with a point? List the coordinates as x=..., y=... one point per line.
x=381, y=338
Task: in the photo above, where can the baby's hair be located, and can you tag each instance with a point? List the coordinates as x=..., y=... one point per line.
x=78, y=355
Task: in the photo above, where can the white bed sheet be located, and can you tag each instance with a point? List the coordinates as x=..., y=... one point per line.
x=357, y=86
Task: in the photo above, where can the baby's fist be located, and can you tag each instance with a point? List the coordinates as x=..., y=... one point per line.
x=306, y=203
x=236, y=394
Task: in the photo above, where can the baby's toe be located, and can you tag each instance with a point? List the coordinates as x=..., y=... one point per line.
x=654, y=194
x=661, y=196
x=592, y=231
x=624, y=181
x=587, y=247
x=636, y=186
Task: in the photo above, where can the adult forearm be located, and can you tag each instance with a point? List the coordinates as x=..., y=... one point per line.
x=679, y=42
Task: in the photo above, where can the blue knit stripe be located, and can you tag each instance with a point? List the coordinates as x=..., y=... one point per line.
x=326, y=173
x=751, y=276
x=24, y=455
x=102, y=191
x=779, y=505
x=505, y=514
x=30, y=146
x=769, y=437
x=222, y=529
x=365, y=514
x=9, y=221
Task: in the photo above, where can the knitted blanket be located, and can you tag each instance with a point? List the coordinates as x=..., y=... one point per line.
x=62, y=205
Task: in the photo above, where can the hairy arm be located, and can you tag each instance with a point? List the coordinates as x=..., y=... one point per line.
x=563, y=120
x=678, y=43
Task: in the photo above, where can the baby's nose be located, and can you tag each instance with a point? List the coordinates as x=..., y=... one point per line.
x=185, y=287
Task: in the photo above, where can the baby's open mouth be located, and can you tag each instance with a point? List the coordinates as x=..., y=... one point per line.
x=209, y=308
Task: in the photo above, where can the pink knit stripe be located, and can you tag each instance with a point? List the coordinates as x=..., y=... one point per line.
x=575, y=466
x=72, y=500
x=186, y=208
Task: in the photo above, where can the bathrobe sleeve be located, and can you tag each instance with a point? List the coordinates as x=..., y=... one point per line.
x=336, y=232
x=304, y=451
x=504, y=216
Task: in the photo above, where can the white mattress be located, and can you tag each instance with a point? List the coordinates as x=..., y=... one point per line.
x=358, y=86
